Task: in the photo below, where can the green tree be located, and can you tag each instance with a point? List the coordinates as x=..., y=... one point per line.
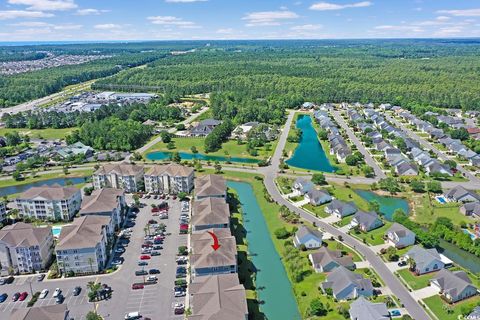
x=317, y=308
x=91, y=315
x=434, y=187
x=417, y=186
x=166, y=136
x=194, y=149
x=319, y=179
x=175, y=157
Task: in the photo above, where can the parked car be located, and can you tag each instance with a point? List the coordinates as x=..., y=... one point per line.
x=155, y=253
x=153, y=271
x=179, y=308
x=15, y=296
x=7, y=280
x=402, y=263
x=56, y=292
x=137, y=286
x=145, y=257
x=132, y=315
x=76, y=291
x=157, y=247
x=59, y=299
x=117, y=261
x=179, y=292
x=3, y=297
x=141, y=273
x=152, y=279
x=43, y=294
x=120, y=250
x=40, y=277
x=23, y=296
x=142, y=263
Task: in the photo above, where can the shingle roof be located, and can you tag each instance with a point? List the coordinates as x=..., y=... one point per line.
x=400, y=230
x=84, y=232
x=342, y=278
x=323, y=257
x=172, y=169
x=362, y=309
x=422, y=256
x=54, y=192
x=340, y=205
x=203, y=255
x=304, y=231
x=365, y=218
x=458, y=192
x=53, y=312
x=123, y=169
x=217, y=297
x=452, y=283
x=24, y=235
x=102, y=200
x=210, y=185
x=210, y=211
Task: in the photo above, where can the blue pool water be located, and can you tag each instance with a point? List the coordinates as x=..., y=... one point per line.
x=309, y=153
x=56, y=231
x=441, y=199
x=159, y=155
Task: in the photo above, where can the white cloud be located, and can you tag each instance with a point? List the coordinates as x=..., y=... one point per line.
x=402, y=28
x=14, y=14
x=225, y=31
x=172, y=21
x=107, y=26
x=90, y=12
x=462, y=13
x=307, y=27
x=184, y=1
x=67, y=27
x=31, y=24
x=327, y=6
x=46, y=5
x=442, y=18
x=268, y=18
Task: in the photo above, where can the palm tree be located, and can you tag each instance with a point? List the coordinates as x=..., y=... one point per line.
x=411, y=262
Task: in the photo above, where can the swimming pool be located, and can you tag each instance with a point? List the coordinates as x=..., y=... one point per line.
x=441, y=199
x=56, y=231
x=471, y=234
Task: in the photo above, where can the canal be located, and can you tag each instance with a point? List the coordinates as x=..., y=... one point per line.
x=160, y=155
x=276, y=292
x=461, y=257
x=5, y=191
x=309, y=153
x=388, y=205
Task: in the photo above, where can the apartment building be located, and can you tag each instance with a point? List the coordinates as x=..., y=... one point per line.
x=50, y=203
x=107, y=202
x=169, y=179
x=25, y=248
x=128, y=177
x=210, y=186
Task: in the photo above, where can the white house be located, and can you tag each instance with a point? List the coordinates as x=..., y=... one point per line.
x=399, y=236
x=426, y=260
x=310, y=238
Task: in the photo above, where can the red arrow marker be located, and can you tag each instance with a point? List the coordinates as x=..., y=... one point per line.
x=215, y=244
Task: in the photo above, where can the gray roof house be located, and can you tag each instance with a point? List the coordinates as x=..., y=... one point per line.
x=366, y=221
x=454, y=286
x=471, y=209
x=460, y=194
x=426, y=260
x=406, y=169
x=210, y=186
x=362, y=309
x=325, y=260
x=204, y=128
x=399, y=236
x=474, y=315
x=347, y=285
x=318, y=197
x=302, y=186
x=340, y=209
x=311, y=238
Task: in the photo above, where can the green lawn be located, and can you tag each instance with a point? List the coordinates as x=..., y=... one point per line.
x=437, y=305
x=318, y=211
x=336, y=245
x=374, y=237
x=285, y=184
x=343, y=193
x=344, y=221
x=426, y=212
x=49, y=134
x=229, y=148
x=416, y=282
x=41, y=177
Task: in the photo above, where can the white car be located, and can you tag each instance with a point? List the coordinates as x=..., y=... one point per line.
x=56, y=292
x=179, y=293
x=151, y=279
x=43, y=294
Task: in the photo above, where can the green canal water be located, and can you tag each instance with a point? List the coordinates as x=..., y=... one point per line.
x=275, y=288
x=388, y=205
x=309, y=153
x=159, y=155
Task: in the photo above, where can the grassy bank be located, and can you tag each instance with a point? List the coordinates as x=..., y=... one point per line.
x=49, y=134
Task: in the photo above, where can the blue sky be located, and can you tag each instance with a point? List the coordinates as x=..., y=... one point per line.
x=49, y=20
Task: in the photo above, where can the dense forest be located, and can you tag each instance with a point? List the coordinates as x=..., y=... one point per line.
x=427, y=72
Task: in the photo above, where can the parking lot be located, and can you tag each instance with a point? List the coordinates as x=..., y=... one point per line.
x=155, y=301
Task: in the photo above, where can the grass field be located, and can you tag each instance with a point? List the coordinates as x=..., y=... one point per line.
x=49, y=134
x=230, y=148
x=374, y=237
x=437, y=305
x=416, y=282
x=41, y=177
x=426, y=211
x=318, y=211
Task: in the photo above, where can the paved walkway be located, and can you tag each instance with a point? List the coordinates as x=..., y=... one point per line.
x=379, y=247
x=425, y=292
x=331, y=219
x=301, y=203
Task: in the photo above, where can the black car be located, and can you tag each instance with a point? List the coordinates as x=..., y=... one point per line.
x=181, y=270
x=155, y=253
x=141, y=273
x=76, y=291
x=154, y=271
x=59, y=299
x=3, y=297
x=157, y=247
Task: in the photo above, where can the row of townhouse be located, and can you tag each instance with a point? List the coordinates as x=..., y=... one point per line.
x=454, y=146
x=158, y=179
x=215, y=291
x=338, y=146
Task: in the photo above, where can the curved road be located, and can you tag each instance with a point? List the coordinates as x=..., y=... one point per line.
x=397, y=288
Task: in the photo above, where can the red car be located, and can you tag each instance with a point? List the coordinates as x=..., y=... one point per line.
x=155, y=209
x=184, y=227
x=145, y=257
x=137, y=286
x=23, y=296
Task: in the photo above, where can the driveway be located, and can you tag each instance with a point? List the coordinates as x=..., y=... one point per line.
x=426, y=292
x=331, y=219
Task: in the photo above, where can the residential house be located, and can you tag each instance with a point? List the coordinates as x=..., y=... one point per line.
x=310, y=238
x=406, y=169
x=105, y=202
x=25, y=248
x=204, y=127
x=454, y=285
x=217, y=297
x=474, y=315
x=301, y=186
x=426, y=260
x=169, y=179
x=340, y=209
x=52, y=312
x=325, y=260
x=366, y=221
x=399, y=236
x=128, y=177
x=50, y=202
x=209, y=186
x=242, y=131
x=308, y=105
x=471, y=209
x=362, y=309
x=460, y=194
x=347, y=285
x=318, y=197
x=210, y=213
x=82, y=246
x=205, y=261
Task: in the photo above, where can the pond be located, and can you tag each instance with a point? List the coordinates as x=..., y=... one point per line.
x=309, y=153
x=160, y=155
x=276, y=293
x=461, y=257
x=5, y=191
x=388, y=205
